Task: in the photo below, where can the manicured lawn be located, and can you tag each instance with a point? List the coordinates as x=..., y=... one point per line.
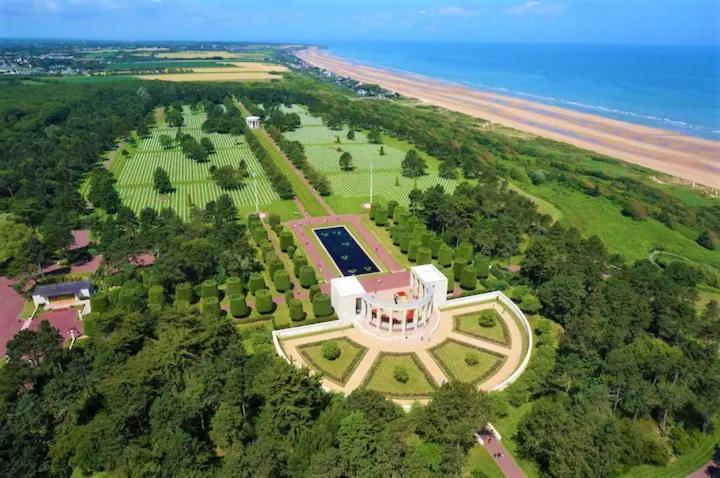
x=340, y=369
x=479, y=459
x=381, y=377
x=451, y=355
x=469, y=324
x=302, y=192
x=191, y=180
x=27, y=309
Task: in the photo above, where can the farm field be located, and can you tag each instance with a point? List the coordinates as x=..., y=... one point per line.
x=352, y=188
x=191, y=179
x=237, y=71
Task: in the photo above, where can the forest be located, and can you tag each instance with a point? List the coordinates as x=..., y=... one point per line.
x=164, y=391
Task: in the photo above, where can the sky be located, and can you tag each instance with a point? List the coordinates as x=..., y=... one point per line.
x=318, y=21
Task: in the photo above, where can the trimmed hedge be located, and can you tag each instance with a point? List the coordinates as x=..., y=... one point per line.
x=435, y=244
x=274, y=219
x=464, y=251
x=381, y=216
x=307, y=276
x=450, y=278
x=210, y=307
x=233, y=286
x=458, y=266
x=263, y=302
x=238, y=306
x=208, y=289
x=282, y=280
x=259, y=234
x=321, y=305
x=412, y=251
x=286, y=240
x=275, y=265
x=424, y=256
x=184, y=292
x=314, y=290
x=297, y=313
x=99, y=303
x=156, y=296
x=299, y=260
x=256, y=282
x=468, y=281
x=445, y=255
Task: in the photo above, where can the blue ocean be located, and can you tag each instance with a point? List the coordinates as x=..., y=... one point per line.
x=669, y=87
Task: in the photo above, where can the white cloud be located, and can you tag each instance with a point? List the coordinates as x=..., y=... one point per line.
x=449, y=12
x=535, y=7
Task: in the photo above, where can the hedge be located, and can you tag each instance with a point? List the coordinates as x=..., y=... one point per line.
x=299, y=260
x=256, y=282
x=412, y=250
x=445, y=255
x=468, y=280
x=435, y=244
x=381, y=216
x=464, y=251
x=99, y=303
x=233, y=286
x=321, y=305
x=424, y=256
x=275, y=265
x=286, y=240
x=156, y=296
x=314, y=290
x=238, y=306
x=263, y=302
x=210, y=306
x=458, y=266
x=296, y=310
x=184, y=292
x=405, y=239
x=274, y=219
x=259, y=234
x=307, y=276
x=391, y=206
x=208, y=289
x=425, y=238
x=282, y=280
x=450, y=278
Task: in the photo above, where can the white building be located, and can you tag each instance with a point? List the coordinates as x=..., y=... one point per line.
x=253, y=122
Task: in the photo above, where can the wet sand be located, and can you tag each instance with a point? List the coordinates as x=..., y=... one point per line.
x=692, y=159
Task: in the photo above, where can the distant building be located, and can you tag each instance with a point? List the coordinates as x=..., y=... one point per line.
x=63, y=295
x=253, y=122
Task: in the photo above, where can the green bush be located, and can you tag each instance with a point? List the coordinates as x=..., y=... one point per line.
x=297, y=313
x=263, y=302
x=401, y=374
x=256, y=282
x=259, y=234
x=274, y=219
x=314, y=290
x=405, y=239
x=299, y=260
x=435, y=244
x=413, y=249
x=373, y=209
x=381, y=216
x=282, y=281
x=184, y=292
x=445, y=255
x=268, y=252
x=487, y=319
x=396, y=234
x=464, y=251
x=530, y=304
x=275, y=265
x=286, y=241
x=156, y=296
x=307, y=276
x=210, y=306
x=450, y=278
x=91, y=324
x=472, y=359
x=426, y=238
x=419, y=229
x=468, y=280
x=208, y=289
x=330, y=350
x=238, y=306
x=99, y=303
x=458, y=266
x=424, y=256
x=127, y=299
x=321, y=305
x=233, y=287
x=402, y=217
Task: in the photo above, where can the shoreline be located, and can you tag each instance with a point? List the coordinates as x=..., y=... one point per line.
x=690, y=158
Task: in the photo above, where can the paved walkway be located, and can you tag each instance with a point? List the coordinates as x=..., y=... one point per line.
x=707, y=470
x=503, y=458
x=436, y=333
x=11, y=305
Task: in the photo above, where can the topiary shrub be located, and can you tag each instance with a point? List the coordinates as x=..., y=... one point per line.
x=275, y=265
x=238, y=306
x=297, y=313
x=233, y=287
x=256, y=282
x=530, y=304
x=464, y=251
x=331, y=350
x=451, y=280
x=373, y=209
x=426, y=238
x=458, y=266
x=286, y=241
x=263, y=302
x=314, y=290
x=405, y=239
x=472, y=359
x=468, y=279
x=156, y=296
x=210, y=306
x=274, y=219
x=282, y=280
x=307, y=276
x=445, y=255
x=413, y=249
x=402, y=217
x=99, y=303
x=487, y=319
x=259, y=234
x=419, y=229
x=208, y=289
x=424, y=256
x=401, y=374
x=299, y=260
x=435, y=244
x=321, y=305
x=482, y=265
x=184, y=292
x=381, y=216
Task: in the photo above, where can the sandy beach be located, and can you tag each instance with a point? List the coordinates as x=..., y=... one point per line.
x=693, y=159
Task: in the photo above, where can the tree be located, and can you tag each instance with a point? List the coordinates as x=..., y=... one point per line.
x=346, y=162
x=374, y=136
x=102, y=191
x=166, y=141
x=709, y=240
x=208, y=145
x=413, y=165
x=161, y=181
x=351, y=134
x=174, y=118
x=12, y=237
x=382, y=151
x=447, y=170
x=356, y=444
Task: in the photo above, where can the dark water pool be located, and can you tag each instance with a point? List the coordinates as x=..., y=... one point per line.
x=344, y=250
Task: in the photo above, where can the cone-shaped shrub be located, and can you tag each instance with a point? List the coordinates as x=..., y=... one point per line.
x=396, y=233
x=299, y=260
x=405, y=241
x=468, y=281
x=238, y=306
x=282, y=280
x=286, y=240
x=445, y=255
x=296, y=310
x=156, y=296
x=275, y=265
x=314, y=290
x=321, y=305
x=426, y=238
x=233, y=287
x=307, y=276
x=274, y=219
x=99, y=303
x=391, y=206
x=184, y=292
x=482, y=266
x=256, y=282
x=381, y=215
x=451, y=279
x=465, y=251
x=435, y=244
x=373, y=209
x=413, y=249
x=210, y=306
x=403, y=217
x=458, y=266
x=419, y=229
x=424, y=256
x=263, y=302
x=259, y=234
x=209, y=288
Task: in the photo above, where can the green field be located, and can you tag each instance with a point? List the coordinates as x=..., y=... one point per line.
x=381, y=377
x=468, y=324
x=191, y=179
x=340, y=369
x=450, y=355
x=352, y=188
